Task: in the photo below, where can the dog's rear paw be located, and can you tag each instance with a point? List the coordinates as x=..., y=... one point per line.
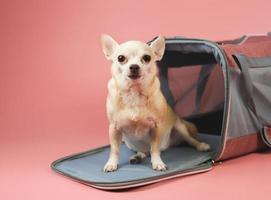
x=159, y=166
x=110, y=167
x=135, y=159
x=203, y=147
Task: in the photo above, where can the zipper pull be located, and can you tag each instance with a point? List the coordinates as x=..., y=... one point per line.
x=216, y=163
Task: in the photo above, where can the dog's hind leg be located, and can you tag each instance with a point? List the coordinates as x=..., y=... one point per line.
x=137, y=158
x=188, y=133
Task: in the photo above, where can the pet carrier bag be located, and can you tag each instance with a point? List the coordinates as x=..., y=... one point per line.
x=223, y=87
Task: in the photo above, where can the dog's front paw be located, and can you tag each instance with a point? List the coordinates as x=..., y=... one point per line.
x=159, y=166
x=202, y=146
x=110, y=167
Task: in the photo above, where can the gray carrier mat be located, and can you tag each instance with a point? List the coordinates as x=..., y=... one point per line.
x=87, y=167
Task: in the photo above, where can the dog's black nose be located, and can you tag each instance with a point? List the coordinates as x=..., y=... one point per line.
x=134, y=69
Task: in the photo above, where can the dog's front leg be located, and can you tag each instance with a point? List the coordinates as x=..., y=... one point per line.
x=157, y=163
x=115, y=138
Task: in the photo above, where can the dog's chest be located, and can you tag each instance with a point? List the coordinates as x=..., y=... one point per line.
x=136, y=112
x=137, y=117
x=134, y=99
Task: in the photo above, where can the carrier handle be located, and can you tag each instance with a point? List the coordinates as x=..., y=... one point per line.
x=235, y=41
x=244, y=64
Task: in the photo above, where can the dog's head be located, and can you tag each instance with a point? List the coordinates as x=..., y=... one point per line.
x=133, y=62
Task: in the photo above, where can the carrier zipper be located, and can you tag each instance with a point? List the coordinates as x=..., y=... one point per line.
x=196, y=170
x=215, y=163
x=226, y=104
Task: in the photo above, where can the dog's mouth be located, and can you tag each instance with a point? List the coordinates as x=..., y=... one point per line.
x=134, y=76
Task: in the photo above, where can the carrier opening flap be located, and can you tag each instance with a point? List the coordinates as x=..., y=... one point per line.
x=87, y=167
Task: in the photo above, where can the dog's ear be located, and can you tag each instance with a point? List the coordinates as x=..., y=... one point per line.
x=109, y=45
x=158, y=47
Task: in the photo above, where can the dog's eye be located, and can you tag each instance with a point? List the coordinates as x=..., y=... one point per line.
x=121, y=58
x=146, y=58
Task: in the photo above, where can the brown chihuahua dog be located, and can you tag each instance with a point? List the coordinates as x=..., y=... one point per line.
x=138, y=112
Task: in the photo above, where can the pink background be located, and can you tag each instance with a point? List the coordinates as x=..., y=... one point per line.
x=53, y=79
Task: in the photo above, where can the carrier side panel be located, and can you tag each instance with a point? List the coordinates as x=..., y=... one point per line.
x=242, y=135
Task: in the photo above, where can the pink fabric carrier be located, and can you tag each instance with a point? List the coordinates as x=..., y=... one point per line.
x=223, y=87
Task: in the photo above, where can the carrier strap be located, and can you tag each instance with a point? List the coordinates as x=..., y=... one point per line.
x=244, y=63
x=203, y=78
x=165, y=88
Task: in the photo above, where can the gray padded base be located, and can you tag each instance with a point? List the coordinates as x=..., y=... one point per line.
x=87, y=167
